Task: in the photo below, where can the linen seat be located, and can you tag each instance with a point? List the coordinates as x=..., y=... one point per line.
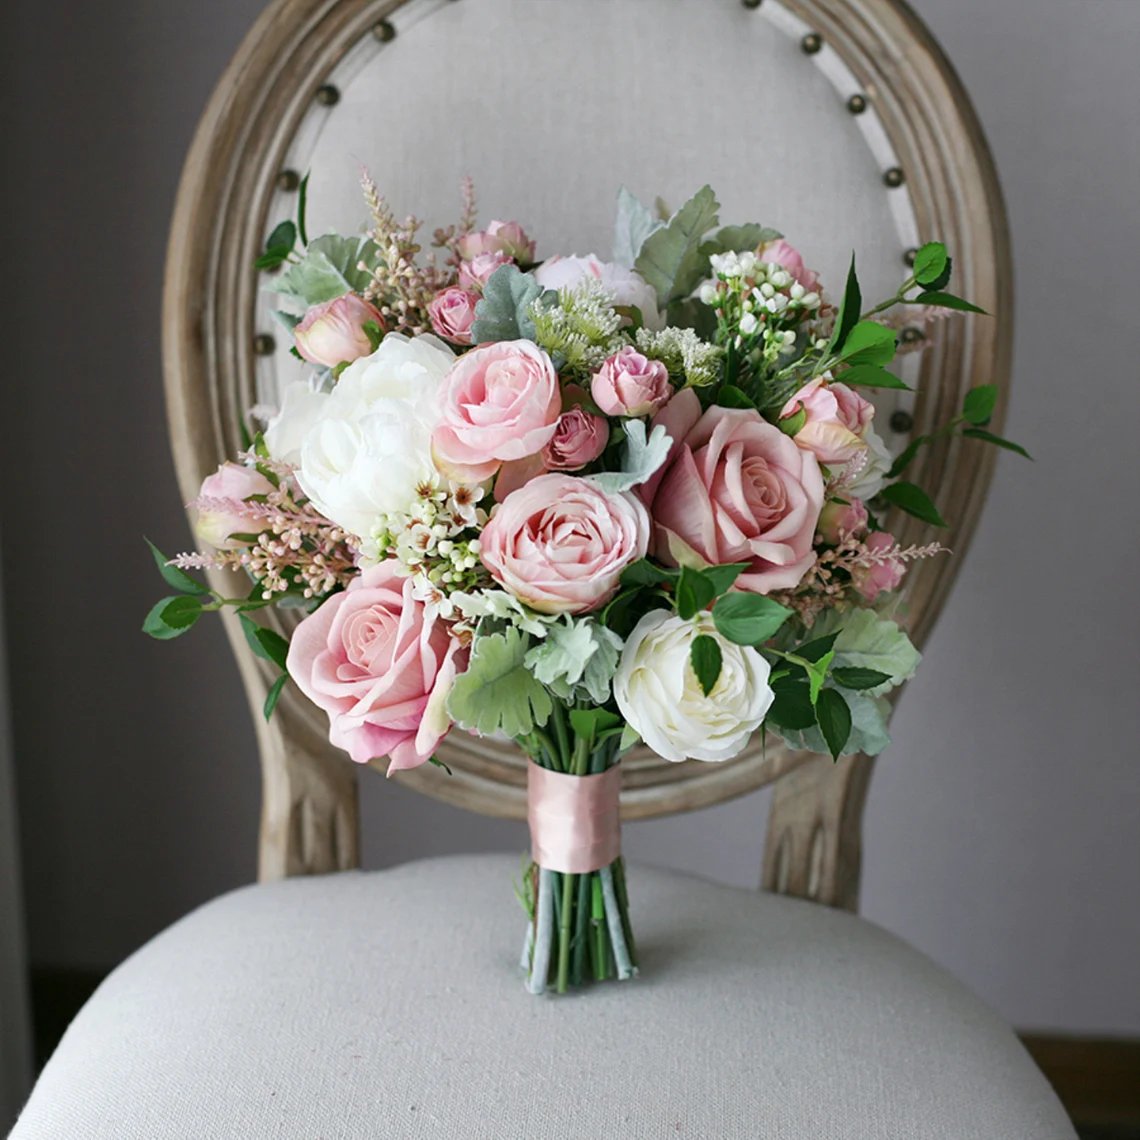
x=390, y=1004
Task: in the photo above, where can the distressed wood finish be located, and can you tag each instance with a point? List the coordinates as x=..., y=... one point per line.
x=309, y=813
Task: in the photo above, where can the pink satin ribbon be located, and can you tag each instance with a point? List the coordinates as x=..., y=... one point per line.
x=575, y=821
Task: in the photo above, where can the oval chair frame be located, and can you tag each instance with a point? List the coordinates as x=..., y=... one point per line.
x=309, y=813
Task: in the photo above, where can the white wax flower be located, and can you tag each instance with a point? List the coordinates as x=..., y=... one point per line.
x=659, y=694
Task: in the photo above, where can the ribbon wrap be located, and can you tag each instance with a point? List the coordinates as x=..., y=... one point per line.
x=575, y=821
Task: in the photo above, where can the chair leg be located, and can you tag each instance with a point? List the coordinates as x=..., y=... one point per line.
x=813, y=848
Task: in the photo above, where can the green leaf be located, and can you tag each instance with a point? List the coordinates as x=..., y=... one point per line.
x=864, y=640
x=267, y=644
x=271, y=259
x=503, y=313
x=172, y=576
x=284, y=237
x=946, y=301
x=635, y=223
x=817, y=675
x=172, y=617
x=748, y=619
x=996, y=440
x=629, y=737
x=329, y=269
x=818, y=648
x=497, y=693
x=274, y=695
x=738, y=239
x=732, y=397
x=869, y=343
x=641, y=457
x=723, y=577
x=670, y=260
x=302, y=209
x=870, y=376
x=914, y=500
x=706, y=660
x=868, y=728
x=792, y=425
x=792, y=707
x=694, y=593
x=848, y=315
x=906, y=456
x=591, y=723
x=857, y=677
x=978, y=406
x=834, y=718
x=930, y=264
x=646, y=573
x=576, y=660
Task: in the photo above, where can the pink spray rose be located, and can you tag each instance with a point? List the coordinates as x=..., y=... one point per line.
x=838, y=520
x=475, y=274
x=579, y=438
x=786, y=256
x=630, y=384
x=871, y=581
x=333, y=333
x=734, y=489
x=221, y=510
x=837, y=419
x=508, y=238
x=381, y=666
x=560, y=543
x=452, y=314
x=501, y=402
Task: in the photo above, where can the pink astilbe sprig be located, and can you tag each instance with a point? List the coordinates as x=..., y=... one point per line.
x=448, y=237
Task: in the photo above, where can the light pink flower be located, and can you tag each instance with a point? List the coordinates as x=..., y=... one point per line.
x=508, y=238
x=627, y=287
x=837, y=419
x=838, y=520
x=579, y=438
x=871, y=581
x=381, y=666
x=501, y=402
x=475, y=274
x=630, y=384
x=220, y=509
x=560, y=543
x=734, y=489
x=452, y=314
x=786, y=256
x=333, y=333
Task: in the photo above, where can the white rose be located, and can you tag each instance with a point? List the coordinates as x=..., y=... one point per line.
x=659, y=694
x=869, y=482
x=370, y=446
x=625, y=285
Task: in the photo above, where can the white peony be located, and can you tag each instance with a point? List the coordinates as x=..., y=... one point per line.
x=626, y=286
x=659, y=694
x=369, y=446
x=301, y=407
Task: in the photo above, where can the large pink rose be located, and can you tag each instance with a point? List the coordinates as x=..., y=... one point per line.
x=560, y=543
x=381, y=667
x=333, y=333
x=734, y=489
x=837, y=419
x=501, y=402
x=786, y=256
x=221, y=511
x=630, y=384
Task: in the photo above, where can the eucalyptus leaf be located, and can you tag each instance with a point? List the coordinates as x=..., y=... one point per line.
x=670, y=260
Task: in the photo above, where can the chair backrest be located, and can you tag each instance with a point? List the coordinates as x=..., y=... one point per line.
x=837, y=121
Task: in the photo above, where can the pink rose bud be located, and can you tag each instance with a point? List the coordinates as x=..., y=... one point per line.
x=221, y=510
x=475, y=274
x=629, y=384
x=452, y=314
x=871, y=581
x=579, y=438
x=786, y=256
x=840, y=520
x=508, y=238
x=837, y=419
x=333, y=333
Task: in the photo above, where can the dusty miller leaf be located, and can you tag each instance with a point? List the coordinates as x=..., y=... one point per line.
x=670, y=260
x=329, y=269
x=640, y=460
x=503, y=313
x=577, y=659
x=867, y=641
x=635, y=222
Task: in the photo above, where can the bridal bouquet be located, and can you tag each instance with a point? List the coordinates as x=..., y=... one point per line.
x=578, y=504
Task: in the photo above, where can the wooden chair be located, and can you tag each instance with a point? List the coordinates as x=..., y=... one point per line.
x=386, y=1004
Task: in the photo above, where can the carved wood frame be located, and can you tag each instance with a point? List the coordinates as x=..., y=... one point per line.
x=309, y=819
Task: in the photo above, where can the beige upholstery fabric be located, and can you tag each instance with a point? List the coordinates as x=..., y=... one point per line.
x=390, y=1005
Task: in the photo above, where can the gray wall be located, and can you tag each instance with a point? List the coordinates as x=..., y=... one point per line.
x=1002, y=824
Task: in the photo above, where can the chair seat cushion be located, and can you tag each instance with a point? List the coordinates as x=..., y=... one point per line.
x=390, y=1004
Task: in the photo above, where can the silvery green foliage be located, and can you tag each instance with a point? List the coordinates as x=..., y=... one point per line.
x=867, y=640
x=670, y=258
x=739, y=239
x=503, y=313
x=641, y=458
x=496, y=692
x=329, y=269
x=868, y=728
x=635, y=223
x=506, y=607
x=577, y=660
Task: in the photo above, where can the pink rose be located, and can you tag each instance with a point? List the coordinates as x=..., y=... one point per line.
x=873, y=580
x=475, y=274
x=838, y=520
x=501, y=402
x=508, y=238
x=579, y=438
x=381, y=666
x=837, y=419
x=333, y=333
x=630, y=384
x=560, y=543
x=221, y=509
x=734, y=489
x=452, y=314
x=786, y=256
